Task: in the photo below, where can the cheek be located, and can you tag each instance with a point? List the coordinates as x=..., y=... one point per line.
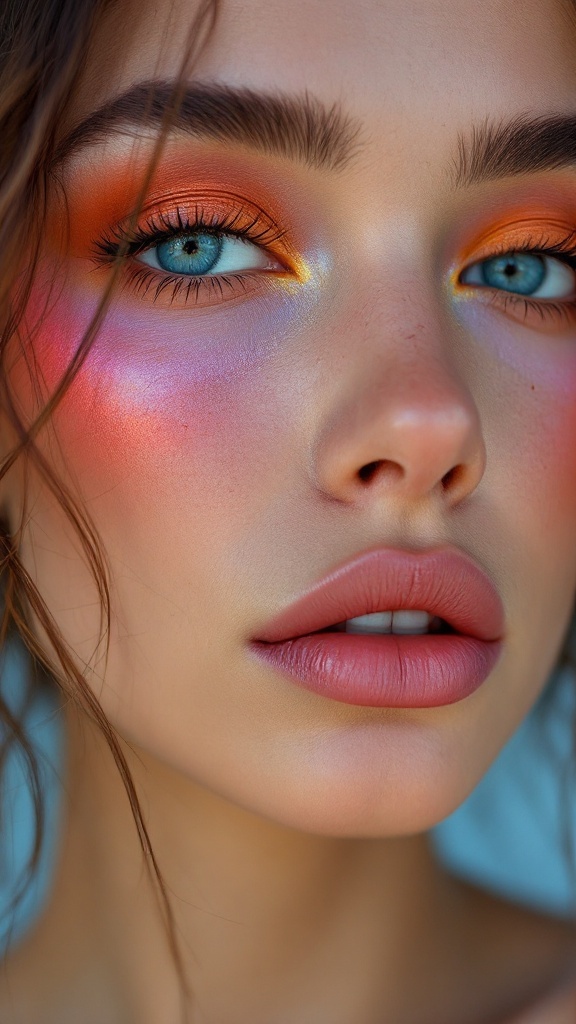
x=544, y=464
x=169, y=408
x=542, y=440
x=553, y=439
x=526, y=388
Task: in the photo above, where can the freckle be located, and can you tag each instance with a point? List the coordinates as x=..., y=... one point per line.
x=532, y=387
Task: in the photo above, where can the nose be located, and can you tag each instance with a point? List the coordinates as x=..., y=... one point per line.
x=405, y=427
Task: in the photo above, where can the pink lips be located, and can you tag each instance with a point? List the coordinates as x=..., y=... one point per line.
x=390, y=670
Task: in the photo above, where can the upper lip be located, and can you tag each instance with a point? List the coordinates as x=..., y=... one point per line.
x=442, y=581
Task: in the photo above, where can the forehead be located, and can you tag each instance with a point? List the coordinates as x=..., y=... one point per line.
x=409, y=57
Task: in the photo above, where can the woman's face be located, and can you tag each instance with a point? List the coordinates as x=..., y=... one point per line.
x=219, y=430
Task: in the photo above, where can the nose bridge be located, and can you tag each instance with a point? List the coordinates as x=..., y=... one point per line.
x=402, y=418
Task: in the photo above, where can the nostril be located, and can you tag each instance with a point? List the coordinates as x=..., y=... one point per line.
x=451, y=477
x=367, y=471
x=380, y=466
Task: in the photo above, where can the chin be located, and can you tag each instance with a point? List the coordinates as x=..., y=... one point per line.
x=352, y=787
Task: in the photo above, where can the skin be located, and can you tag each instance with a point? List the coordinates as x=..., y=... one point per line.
x=290, y=829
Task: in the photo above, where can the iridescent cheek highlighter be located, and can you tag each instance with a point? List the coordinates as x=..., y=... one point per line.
x=164, y=395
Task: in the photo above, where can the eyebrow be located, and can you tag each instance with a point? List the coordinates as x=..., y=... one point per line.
x=299, y=127
x=523, y=144
x=303, y=129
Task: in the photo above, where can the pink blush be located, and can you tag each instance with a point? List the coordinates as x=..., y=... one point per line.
x=160, y=394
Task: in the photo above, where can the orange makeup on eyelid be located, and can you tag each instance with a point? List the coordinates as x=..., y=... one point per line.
x=250, y=199
x=518, y=217
x=280, y=206
x=101, y=198
x=512, y=234
x=514, y=215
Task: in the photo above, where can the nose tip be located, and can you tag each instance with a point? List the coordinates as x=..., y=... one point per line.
x=403, y=441
x=436, y=460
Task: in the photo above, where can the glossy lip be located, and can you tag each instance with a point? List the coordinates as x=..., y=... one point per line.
x=443, y=582
x=390, y=670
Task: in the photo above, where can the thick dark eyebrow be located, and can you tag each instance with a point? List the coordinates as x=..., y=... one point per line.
x=524, y=144
x=299, y=127
x=325, y=138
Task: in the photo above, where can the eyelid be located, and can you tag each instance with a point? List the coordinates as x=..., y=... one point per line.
x=534, y=235
x=221, y=213
x=549, y=237
x=221, y=210
x=241, y=215
x=514, y=235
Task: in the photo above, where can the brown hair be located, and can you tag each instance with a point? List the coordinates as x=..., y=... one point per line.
x=43, y=49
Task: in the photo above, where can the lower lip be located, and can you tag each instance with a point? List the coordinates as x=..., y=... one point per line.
x=387, y=671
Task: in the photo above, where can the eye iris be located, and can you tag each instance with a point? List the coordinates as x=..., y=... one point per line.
x=195, y=253
x=515, y=272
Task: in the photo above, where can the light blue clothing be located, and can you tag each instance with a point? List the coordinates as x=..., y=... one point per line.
x=507, y=836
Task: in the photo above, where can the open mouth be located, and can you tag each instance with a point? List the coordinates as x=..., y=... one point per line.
x=409, y=630
x=399, y=623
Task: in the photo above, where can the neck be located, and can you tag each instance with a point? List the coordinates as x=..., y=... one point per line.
x=273, y=924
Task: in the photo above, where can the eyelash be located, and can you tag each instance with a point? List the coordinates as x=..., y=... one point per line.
x=564, y=251
x=124, y=243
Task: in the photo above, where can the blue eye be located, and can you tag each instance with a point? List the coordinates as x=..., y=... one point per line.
x=197, y=253
x=189, y=254
x=523, y=273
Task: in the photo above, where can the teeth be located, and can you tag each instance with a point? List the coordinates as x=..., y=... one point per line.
x=410, y=622
x=400, y=622
x=378, y=622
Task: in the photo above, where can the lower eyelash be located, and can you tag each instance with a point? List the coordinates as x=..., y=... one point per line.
x=548, y=310
x=145, y=281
